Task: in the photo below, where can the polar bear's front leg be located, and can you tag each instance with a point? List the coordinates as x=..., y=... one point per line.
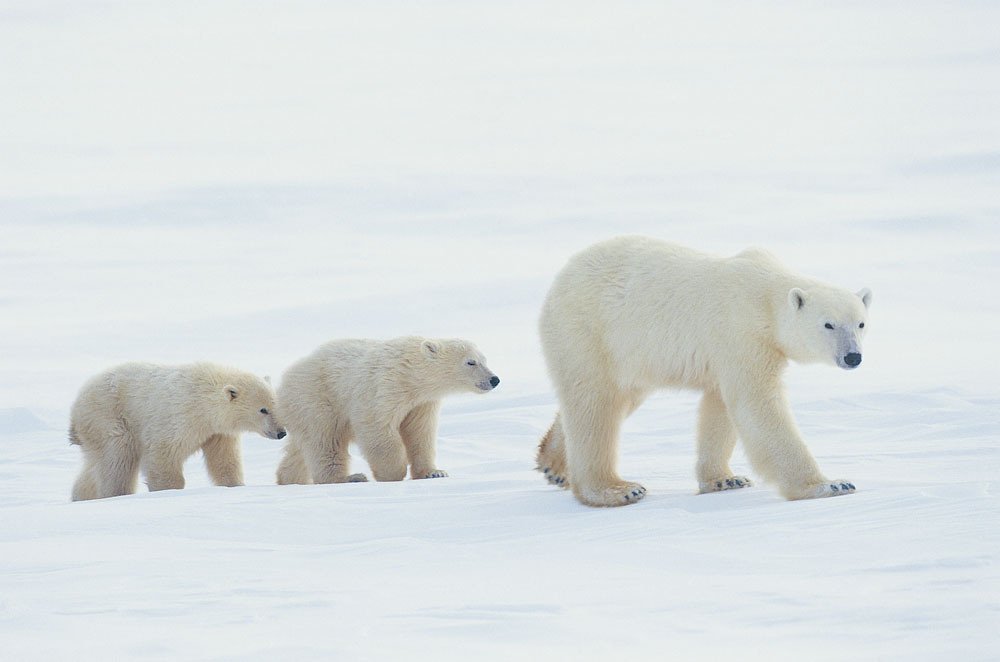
x=223, y=459
x=773, y=442
x=384, y=451
x=716, y=440
x=419, y=433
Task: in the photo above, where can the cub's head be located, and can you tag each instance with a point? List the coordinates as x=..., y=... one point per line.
x=458, y=366
x=824, y=324
x=250, y=402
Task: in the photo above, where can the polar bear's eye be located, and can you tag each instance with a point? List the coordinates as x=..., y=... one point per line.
x=264, y=411
x=828, y=325
x=470, y=362
x=861, y=326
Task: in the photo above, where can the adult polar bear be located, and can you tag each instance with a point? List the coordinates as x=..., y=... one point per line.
x=632, y=314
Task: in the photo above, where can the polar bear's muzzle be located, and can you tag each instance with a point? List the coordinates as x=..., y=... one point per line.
x=489, y=384
x=849, y=361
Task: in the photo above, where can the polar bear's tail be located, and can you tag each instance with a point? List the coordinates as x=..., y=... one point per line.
x=551, y=456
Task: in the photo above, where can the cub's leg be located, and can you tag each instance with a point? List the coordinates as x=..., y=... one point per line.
x=325, y=452
x=383, y=447
x=163, y=465
x=419, y=434
x=293, y=470
x=85, y=486
x=716, y=440
x=116, y=463
x=223, y=459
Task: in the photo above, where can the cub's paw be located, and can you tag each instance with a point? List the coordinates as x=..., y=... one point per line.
x=435, y=473
x=723, y=484
x=357, y=478
x=554, y=478
x=621, y=493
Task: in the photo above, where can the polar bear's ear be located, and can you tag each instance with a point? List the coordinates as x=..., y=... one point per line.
x=231, y=391
x=866, y=296
x=430, y=347
x=267, y=379
x=796, y=298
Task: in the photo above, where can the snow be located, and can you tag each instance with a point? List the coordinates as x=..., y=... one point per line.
x=239, y=182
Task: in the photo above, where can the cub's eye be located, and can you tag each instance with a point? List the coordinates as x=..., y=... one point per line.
x=861, y=326
x=264, y=411
x=470, y=362
x=828, y=325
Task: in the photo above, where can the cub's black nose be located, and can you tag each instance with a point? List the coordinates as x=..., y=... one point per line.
x=853, y=359
x=494, y=380
x=281, y=434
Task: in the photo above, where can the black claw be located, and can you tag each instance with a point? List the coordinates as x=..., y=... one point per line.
x=851, y=485
x=719, y=484
x=834, y=488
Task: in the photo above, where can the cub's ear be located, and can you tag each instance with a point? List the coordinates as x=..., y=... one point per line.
x=430, y=348
x=796, y=298
x=866, y=296
x=231, y=391
x=267, y=379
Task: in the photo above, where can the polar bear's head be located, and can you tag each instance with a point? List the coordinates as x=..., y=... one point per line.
x=456, y=365
x=250, y=402
x=823, y=324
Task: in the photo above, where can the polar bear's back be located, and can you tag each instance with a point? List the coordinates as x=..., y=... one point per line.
x=323, y=383
x=649, y=313
x=149, y=396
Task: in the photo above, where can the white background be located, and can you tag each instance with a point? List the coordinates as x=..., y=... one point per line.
x=240, y=181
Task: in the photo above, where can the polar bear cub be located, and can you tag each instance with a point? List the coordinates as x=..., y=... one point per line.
x=141, y=416
x=385, y=395
x=632, y=314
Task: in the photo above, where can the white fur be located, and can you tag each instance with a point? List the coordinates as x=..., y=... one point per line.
x=383, y=394
x=633, y=314
x=151, y=417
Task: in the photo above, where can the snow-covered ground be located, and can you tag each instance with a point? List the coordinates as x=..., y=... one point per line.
x=239, y=181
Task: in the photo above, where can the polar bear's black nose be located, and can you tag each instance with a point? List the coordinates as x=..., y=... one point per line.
x=281, y=434
x=853, y=359
x=494, y=380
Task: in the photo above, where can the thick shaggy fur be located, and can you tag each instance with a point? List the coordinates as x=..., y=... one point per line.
x=141, y=416
x=633, y=314
x=385, y=395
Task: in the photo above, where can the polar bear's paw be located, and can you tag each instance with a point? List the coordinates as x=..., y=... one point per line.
x=554, y=478
x=827, y=488
x=621, y=493
x=723, y=484
x=357, y=478
x=435, y=473
x=834, y=488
